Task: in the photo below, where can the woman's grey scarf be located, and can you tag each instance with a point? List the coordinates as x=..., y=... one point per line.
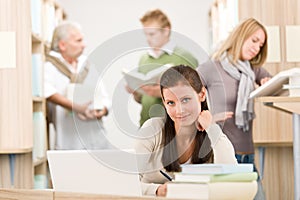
x=242, y=72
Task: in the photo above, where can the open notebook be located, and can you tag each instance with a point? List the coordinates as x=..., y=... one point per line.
x=95, y=171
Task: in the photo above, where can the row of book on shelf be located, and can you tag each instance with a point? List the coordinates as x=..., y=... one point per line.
x=39, y=139
x=37, y=74
x=39, y=147
x=213, y=181
x=44, y=18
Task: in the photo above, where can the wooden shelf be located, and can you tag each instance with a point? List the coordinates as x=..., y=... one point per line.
x=278, y=99
x=62, y=12
x=38, y=99
x=15, y=151
x=290, y=104
x=35, y=38
x=269, y=143
x=39, y=161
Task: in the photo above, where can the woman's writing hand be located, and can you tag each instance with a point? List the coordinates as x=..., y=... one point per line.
x=162, y=190
x=264, y=80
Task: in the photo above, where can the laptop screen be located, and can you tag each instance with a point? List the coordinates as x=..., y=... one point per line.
x=95, y=171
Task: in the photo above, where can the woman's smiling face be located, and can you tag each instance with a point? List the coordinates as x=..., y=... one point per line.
x=182, y=104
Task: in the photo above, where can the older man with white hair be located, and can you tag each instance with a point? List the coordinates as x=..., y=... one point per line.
x=77, y=125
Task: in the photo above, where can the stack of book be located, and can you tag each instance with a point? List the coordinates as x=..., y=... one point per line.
x=214, y=181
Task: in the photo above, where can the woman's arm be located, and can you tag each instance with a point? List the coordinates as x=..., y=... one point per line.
x=222, y=147
x=149, y=153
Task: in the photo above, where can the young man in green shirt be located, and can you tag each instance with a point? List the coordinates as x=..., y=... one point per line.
x=157, y=29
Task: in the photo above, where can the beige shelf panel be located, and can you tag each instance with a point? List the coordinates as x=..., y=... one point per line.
x=16, y=99
x=285, y=103
x=16, y=151
x=268, y=129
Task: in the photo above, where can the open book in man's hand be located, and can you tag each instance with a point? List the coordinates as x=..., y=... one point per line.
x=136, y=79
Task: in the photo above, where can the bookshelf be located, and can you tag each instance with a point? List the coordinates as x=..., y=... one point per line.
x=19, y=101
x=45, y=15
x=272, y=129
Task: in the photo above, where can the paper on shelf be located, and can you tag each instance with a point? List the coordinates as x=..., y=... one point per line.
x=8, y=49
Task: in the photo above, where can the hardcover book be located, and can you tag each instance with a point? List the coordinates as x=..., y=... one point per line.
x=216, y=168
x=217, y=190
x=206, y=178
x=136, y=79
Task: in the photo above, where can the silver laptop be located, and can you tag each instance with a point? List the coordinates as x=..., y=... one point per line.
x=95, y=171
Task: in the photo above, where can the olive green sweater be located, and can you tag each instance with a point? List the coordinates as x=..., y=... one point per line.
x=152, y=106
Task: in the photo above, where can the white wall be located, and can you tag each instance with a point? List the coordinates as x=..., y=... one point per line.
x=103, y=19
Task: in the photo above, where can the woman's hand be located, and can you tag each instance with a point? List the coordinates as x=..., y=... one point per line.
x=264, y=80
x=219, y=117
x=204, y=120
x=162, y=190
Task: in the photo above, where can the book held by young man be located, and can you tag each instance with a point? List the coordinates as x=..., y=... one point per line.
x=136, y=79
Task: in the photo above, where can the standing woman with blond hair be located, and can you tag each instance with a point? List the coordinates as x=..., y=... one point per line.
x=230, y=76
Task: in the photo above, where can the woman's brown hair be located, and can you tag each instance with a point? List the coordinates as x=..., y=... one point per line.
x=202, y=152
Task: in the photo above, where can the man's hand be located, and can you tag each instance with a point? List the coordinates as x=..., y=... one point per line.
x=100, y=113
x=90, y=114
x=152, y=90
x=137, y=96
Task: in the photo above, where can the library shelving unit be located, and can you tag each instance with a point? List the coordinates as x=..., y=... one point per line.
x=272, y=129
x=45, y=15
x=22, y=90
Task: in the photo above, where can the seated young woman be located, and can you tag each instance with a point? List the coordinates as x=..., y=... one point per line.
x=187, y=134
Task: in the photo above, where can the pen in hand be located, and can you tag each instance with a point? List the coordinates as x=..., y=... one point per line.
x=166, y=175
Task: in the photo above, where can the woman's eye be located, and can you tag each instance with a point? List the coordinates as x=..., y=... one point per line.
x=170, y=103
x=185, y=100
